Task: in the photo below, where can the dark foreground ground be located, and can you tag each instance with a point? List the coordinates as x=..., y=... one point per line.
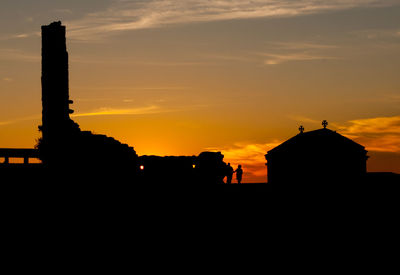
x=34, y=185
x=71, y=213
x=83, y=220
x=37, y=175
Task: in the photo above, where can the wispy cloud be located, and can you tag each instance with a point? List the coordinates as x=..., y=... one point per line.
x=2, y=123
x=13, y=54
x=300, y=45
x=393, y=97
x=250, y=156
x=130, y=88
x=304, y=119
x=147, y=110
x=234, y=58
x=16, y=120
x=275, y=59
x=19, y=36
x=173, y=63
x=378, y=34
x=282, y=52
x=63, y=11
x=132, y=15
x=153, y=109
x=381, y=134
x=22, y=35
x=150, y=63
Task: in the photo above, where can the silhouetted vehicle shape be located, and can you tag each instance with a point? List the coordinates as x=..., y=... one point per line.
x=316, y=157
x=210, y=168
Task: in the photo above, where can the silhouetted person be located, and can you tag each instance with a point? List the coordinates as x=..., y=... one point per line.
x=239, y=174
x=229, y=173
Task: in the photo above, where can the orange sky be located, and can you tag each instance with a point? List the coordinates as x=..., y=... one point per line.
x=181, y=77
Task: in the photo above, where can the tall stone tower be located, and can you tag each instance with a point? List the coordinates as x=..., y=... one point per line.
x=63, y=145
x=57, y=126
x=55, y=90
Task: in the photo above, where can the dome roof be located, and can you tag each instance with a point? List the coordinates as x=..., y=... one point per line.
x=318, y=140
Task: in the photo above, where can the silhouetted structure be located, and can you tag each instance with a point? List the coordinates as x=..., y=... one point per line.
x=74, y=156
x=207, y=168
x=25, y=154
x=210, y=168
x=55, y=87
x=316, y=157
x=63, y=145
x=167, y=170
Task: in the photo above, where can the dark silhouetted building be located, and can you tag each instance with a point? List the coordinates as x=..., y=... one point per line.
x=176, y=170
x=55, y=87
x=81, y=154
x=58, y=130
x=317, y=157
x=63, y=145
x=210, y=167
x=206, y=168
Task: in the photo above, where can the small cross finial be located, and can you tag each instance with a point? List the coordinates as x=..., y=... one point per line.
x=324, y=123
x=301, y=129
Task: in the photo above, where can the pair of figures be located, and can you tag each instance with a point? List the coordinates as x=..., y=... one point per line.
x=230, y=171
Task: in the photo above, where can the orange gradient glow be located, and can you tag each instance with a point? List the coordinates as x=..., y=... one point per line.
x=182, y=77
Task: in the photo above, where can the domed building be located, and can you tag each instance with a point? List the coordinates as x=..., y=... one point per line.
x=317, y=156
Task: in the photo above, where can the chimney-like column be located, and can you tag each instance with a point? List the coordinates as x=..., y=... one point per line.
x=55, y=87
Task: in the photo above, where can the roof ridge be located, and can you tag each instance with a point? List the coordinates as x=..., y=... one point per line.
x=299, y=138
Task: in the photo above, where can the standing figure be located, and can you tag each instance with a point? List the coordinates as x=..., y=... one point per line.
x=239, y=174
x=229, y=174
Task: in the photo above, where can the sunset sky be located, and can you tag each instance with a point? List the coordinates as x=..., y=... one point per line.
x=237, y=76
